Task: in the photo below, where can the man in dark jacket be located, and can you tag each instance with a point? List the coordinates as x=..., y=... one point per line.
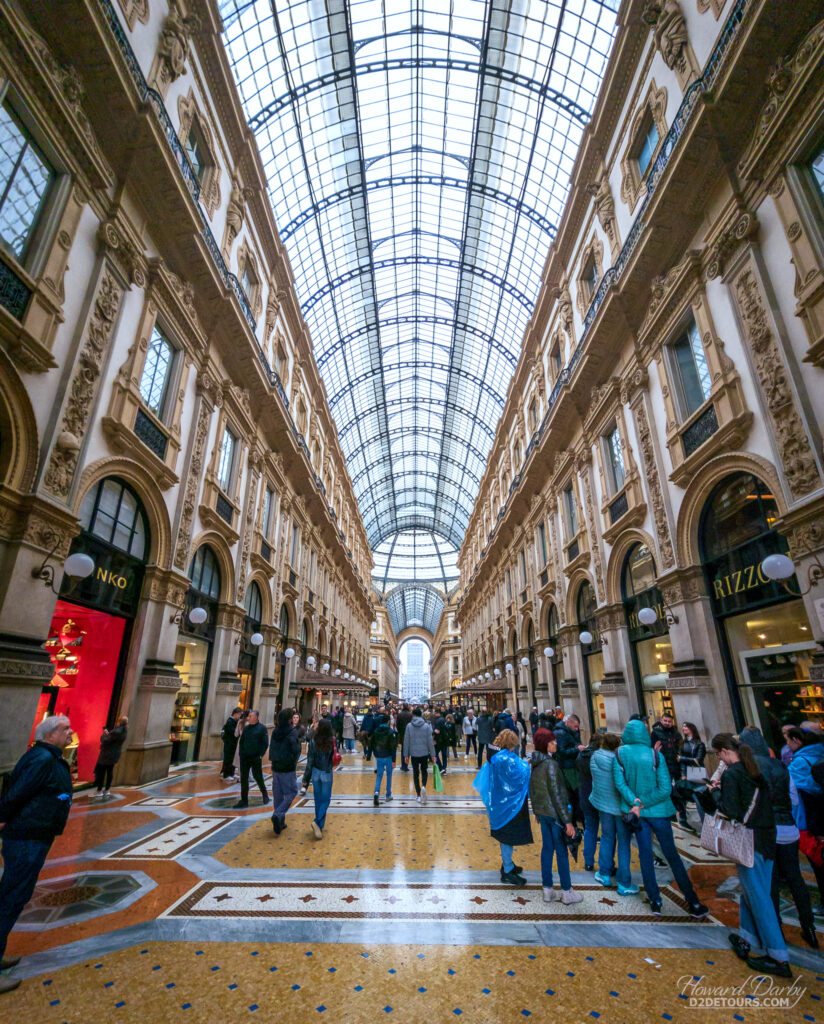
x=367, y=726
x=665, y=733
x=440, y=734
x=505, y=721
x=568, y=737
x=227, y=734
x=484, y=735
x=533, y=720
x=384, y=745
x=33, y=811
x=284, y=753
x=403, y=719
x=253, y=743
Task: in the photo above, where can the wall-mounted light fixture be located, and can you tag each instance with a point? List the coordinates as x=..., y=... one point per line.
x=78, y=566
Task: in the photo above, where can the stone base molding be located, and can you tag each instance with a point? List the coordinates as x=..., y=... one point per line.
x=150, y=717
x=25, y=668
x=689, y=675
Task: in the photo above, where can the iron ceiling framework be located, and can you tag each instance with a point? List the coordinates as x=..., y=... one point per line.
x=418, y=155
x=414, y=604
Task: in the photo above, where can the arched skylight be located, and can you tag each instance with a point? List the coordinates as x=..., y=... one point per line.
x=418, y=154
x=415, y=555
x=414, y=605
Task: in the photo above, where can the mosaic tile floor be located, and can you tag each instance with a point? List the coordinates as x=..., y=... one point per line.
x=167, y=905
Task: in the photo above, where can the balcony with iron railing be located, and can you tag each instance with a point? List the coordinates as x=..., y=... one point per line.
x=701, y=88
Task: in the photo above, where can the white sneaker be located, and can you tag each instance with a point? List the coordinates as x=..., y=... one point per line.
x=418, y=799
x=551, y=895
x=423, y=794
x=571, y=896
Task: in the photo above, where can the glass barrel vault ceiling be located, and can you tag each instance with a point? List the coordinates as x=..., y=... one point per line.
x=418, y=155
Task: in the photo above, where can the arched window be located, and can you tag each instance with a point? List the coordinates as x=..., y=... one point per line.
x=586, y=605
x=639, y=571
x=740, y=509
x=552, y=626
x=205, y=573
x=254, y=603
x=283, y=622
x=114, y=513
x=304, y=639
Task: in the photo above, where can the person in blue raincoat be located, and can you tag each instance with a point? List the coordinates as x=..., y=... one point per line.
x=503, y=784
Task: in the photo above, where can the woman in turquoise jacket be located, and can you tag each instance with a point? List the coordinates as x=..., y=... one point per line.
x=606, y=799
x=642, y=779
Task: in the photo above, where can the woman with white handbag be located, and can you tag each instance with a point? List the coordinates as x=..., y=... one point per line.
x=745, y=831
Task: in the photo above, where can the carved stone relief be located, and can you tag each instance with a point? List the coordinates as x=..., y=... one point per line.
x=173, y=48
x=605, y=211
x=135, y=10
x=209, y=391
x=247, y=533
x=669, y=30
x=594, y=543
x=793, y=444
x=82, y=390
x=659, y=512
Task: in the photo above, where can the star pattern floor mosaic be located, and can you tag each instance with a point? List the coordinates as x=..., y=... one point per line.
x=166, y=904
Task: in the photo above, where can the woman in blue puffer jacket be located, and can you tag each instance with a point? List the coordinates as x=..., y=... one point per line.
x=606, y=799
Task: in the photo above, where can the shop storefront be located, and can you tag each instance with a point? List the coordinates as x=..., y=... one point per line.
x=763, y=630
x=651, y=648
x=248, y=656
x=91, y=629
x=592, y=656
x=193, y=656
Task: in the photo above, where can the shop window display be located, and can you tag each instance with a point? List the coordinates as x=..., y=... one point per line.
x=763, y=629
x=89, y=635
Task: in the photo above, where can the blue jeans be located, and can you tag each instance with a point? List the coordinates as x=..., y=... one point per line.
x=284, y=791
x=350, y=743
x=384, y=767
x=612, y=827
x=552, y=844
x=662, y=829
x=23, y=860
x=759, y=923
x=507, y=854
x=442, y=757
x=322, y=788
x=590, y=823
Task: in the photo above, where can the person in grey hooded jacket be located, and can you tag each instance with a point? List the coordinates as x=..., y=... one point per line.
x=419, y=745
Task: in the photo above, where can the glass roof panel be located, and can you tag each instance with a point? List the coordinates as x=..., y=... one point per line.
x=418, y=155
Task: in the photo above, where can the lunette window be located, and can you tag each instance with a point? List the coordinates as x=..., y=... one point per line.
x=112, y=512
x=615, y=459
x=157, y=371
x=26, y=178
x=227, y=459
x=692, y=373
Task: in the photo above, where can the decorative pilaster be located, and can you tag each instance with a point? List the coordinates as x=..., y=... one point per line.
x=210, y=396
x=788, y=428
x=659, y=512
x=83, y=388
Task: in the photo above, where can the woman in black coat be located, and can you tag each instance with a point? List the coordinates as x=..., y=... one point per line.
x=111, y=747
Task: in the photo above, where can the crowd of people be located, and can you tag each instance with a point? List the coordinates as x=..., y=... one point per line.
x=600, y=795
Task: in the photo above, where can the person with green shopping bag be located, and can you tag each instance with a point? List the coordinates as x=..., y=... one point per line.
x=503, y=784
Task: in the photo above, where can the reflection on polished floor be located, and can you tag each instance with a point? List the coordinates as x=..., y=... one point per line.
x=165, y=905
